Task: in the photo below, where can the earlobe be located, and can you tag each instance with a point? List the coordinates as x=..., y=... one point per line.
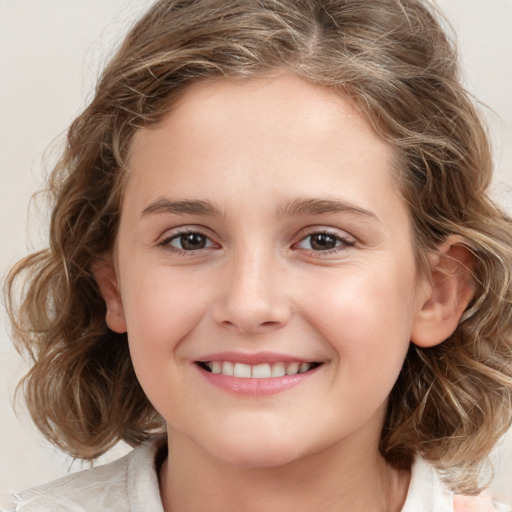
x=106, y=278
x=450, y=289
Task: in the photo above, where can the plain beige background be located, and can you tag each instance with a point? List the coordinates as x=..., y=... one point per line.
x=50, y=53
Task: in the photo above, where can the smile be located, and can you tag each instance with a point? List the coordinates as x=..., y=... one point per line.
x=259, y=371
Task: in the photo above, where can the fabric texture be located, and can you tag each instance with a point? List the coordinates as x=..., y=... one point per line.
x=130, y=484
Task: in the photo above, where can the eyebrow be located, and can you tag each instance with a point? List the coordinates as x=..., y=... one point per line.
x=299, y=206
x=313, y=206
x=191, y=207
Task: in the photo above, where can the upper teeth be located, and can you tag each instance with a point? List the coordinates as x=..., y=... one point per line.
x=259, y=371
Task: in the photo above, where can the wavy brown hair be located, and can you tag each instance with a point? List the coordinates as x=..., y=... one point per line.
x=396, y=64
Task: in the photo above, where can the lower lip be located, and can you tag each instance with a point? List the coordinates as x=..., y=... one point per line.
x=256, y=387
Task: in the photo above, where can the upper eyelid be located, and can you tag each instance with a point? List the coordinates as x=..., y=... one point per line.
x=337, y=232
x=349, y=241
x=185, y=232
x=172, y=233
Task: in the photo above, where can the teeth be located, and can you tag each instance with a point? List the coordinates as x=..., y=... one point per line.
x=259, y=371
x=228, y=369
x=292, y=369
x=242, y=370
x=278, y=370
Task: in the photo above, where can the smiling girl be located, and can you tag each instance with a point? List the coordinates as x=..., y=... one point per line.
x=274, y=269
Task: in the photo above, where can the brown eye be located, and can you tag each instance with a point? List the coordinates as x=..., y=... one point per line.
x=189, y=241
x=324, y=242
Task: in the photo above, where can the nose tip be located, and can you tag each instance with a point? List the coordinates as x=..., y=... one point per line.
x=252, y=303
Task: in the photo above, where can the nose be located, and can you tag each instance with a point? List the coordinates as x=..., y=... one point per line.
x=252, y=297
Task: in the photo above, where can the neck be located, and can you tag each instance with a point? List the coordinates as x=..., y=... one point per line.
x=337, y=479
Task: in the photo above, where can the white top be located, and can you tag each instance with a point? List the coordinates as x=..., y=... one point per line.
x=130, y=484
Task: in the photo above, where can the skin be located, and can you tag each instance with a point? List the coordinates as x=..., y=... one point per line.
x=253, y=150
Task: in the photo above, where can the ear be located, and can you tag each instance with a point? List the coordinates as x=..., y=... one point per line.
x=448, y=289
x=106, y=277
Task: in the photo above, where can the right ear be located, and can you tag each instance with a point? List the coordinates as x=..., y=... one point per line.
x=106, y=277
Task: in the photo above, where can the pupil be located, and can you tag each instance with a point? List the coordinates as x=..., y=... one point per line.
x=322, y=242
x=192, y=241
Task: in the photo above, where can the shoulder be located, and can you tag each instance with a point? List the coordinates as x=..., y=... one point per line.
x=428, y=493
x=473, y=504
x=117, y=486
x=96, y=487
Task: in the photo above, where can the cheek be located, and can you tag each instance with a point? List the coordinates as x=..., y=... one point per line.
x=161, y=310
x=367, y=318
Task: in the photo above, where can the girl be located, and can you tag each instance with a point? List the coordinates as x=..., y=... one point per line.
x=273, y=268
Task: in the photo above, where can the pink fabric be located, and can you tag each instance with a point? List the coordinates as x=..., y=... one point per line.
x=472, y=504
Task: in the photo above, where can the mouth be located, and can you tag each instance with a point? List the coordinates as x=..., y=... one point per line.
x=258, y=371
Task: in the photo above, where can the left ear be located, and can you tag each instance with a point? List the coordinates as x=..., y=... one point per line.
x=449, y=288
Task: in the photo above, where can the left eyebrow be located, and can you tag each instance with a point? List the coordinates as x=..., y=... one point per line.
x=313, y=206
x=190, y=207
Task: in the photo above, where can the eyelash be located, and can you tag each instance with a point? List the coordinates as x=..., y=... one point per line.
x=342, y=242
x=166, y=242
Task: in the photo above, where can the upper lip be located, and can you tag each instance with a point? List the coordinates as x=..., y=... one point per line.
x=254, y=358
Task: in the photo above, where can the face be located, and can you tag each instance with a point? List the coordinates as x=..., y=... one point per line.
x=265, y=271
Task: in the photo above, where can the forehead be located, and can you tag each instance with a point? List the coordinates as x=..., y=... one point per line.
x=232, y=114
x=275, y=136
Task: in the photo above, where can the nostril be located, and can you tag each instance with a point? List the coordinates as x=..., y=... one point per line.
x=250, y=316
x=251, y=327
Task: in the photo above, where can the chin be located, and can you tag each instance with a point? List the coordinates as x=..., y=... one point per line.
x=263, y=452
x=259, y=460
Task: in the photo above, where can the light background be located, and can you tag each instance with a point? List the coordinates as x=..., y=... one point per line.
x=50, y=54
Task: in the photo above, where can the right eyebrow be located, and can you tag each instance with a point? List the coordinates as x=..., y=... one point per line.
x=187, y=206
x=319, y=206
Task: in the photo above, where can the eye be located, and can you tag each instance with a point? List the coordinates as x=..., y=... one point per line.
x=324, y=242
x=187, y=241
